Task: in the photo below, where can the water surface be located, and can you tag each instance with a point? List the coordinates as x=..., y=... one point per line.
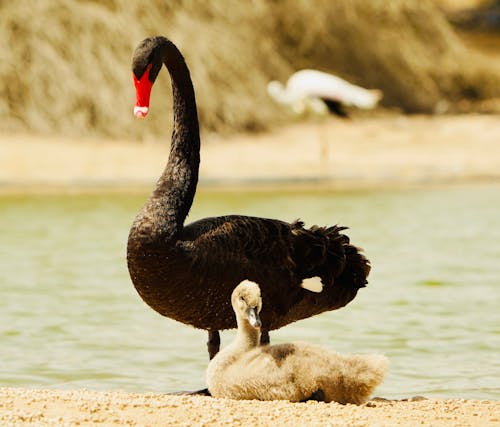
x=70, y=317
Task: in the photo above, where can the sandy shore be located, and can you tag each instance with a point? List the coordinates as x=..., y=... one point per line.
x=363, y=152
x=23, y=407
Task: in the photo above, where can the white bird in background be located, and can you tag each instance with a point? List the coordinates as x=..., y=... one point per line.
x=321, y=92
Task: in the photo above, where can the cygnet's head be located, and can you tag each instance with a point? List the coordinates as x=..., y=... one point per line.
x=247, y=302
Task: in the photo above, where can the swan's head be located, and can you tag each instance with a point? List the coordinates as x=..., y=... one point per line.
x=247, y=303
x=277, y=92
x=146, y=64
x=296, y=100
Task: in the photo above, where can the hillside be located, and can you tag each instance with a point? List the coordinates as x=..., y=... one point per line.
x=65, y=64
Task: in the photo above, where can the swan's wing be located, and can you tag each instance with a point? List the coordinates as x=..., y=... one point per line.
x=278, y=256
x=230, y=249
x=247, y=242
x=318, y=84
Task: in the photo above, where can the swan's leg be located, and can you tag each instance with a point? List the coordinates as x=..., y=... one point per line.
x=318, y=396
x=213, y=343
x=264, y=337
x=202, y=392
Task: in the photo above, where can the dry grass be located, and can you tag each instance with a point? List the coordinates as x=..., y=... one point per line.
x=65, y=64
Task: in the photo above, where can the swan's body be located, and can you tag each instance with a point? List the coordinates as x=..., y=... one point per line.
x=318, y=91
x=187, y=272
x=295, y=372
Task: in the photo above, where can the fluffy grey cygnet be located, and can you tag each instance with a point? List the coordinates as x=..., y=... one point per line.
x=294, y=372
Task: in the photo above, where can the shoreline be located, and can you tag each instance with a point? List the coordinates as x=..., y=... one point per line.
x=390, y=151
x=46, y=407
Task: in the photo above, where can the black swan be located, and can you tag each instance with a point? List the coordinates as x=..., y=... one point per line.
x=187, y=272
x=293, y=371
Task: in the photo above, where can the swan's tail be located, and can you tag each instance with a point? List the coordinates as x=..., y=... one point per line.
x=327, y=253
x=356, y=378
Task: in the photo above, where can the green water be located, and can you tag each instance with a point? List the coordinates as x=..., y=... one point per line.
x=70, y=318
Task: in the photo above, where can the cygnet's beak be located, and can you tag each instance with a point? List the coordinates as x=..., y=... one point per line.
x=253, y=317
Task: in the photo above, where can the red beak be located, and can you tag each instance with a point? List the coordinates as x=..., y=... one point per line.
x=142, y=94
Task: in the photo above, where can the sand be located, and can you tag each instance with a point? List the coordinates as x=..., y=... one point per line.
x=375, y=152
x=364, y=152
x=23, y=407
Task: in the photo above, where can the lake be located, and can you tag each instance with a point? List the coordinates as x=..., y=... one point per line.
x=70, y=317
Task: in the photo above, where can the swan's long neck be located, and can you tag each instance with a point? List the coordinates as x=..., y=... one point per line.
x=174, y=193
x=247, y=337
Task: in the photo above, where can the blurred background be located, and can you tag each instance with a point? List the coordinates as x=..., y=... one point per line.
x=416, y=179
x=65, y=65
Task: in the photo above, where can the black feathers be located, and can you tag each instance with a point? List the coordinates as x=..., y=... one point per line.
x=188, y=272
